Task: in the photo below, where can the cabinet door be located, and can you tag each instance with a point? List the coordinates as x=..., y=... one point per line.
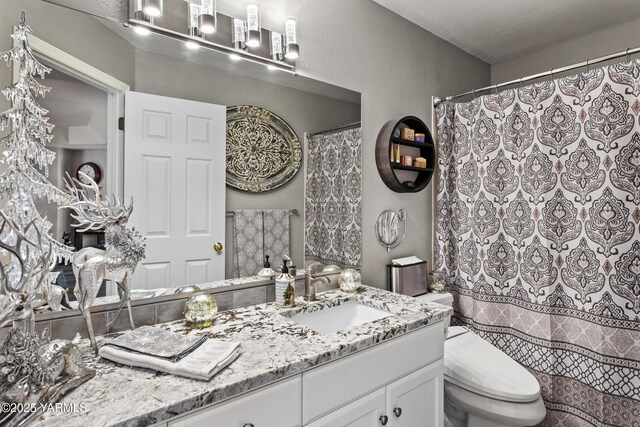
x=279, y=405
x=417, y=399
x=364, y=412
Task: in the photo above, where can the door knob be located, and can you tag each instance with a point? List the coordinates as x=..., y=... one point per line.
x=384, y=420
x=217, y=246
x=397, y=412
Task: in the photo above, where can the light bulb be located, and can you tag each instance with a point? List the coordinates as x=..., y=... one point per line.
x=207, y=18
x=152, y=8
x=291, y=36
x=253, y=26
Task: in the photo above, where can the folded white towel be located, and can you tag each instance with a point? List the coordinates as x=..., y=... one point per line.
x=202, y=364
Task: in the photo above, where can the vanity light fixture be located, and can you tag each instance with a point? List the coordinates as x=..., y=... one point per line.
x=293, y=50
x=277, y=53
x=207, y=18
x=139, y=15
x=203, y=19
x=238, y=34
x=152, y=8
x=254, y=35
x=194, y=19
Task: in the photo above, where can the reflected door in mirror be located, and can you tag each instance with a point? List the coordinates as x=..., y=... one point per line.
x=175, y=172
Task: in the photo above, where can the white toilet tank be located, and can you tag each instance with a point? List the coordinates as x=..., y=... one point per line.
x=444, y=298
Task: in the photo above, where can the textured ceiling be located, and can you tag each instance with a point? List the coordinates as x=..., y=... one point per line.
x=495, y=30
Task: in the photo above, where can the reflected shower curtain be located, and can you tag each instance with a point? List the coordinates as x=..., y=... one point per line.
x=538, y=235
x=333, y=198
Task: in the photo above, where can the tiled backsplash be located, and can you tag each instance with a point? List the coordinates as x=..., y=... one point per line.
x=154, y=312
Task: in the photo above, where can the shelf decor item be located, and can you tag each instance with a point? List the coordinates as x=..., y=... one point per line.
x=408, y=176
x=349, y=280
x=124, y=247
x=263, y=152
x=33, y=368
x=200, y=310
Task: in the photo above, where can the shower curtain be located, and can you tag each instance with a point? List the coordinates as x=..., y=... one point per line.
x=538, y=235
x=333, y=199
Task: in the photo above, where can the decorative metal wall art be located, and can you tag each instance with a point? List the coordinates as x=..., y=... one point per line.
x=124, y=248
x=263, y=152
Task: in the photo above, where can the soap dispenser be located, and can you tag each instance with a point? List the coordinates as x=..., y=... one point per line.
x=267, y=272
x=283, y=282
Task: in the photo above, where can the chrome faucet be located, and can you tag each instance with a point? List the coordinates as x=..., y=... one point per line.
x=310, y=283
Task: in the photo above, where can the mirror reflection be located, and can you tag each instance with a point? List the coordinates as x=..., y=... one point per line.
x=149, y=119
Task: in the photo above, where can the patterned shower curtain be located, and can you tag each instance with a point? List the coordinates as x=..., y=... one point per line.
x=538, y=235
x=333, y=198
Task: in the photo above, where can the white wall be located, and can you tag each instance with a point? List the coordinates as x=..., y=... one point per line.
x=600, y=43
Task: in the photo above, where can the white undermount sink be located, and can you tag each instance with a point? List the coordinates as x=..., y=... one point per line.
x=339, y=318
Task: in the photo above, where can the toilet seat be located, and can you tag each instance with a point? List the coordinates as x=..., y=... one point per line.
x=498, y=411
x=476, y=366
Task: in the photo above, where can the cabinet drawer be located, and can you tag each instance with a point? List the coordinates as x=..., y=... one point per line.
x=278, y=405
x=329, y=387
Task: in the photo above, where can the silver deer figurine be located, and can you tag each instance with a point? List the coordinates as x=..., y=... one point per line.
x=124, y=248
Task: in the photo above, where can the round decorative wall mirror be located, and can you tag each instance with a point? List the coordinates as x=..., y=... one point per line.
x=390, y=228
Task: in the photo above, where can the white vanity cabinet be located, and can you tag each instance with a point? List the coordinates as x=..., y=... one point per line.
x=278, y=405
x=398, y=383
x=417, y=399
x=412, y=401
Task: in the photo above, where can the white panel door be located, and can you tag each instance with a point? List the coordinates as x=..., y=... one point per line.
x=174, y=168
x=364, y=412
x=416, y=400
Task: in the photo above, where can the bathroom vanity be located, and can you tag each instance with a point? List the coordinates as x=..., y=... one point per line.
x=385, y=371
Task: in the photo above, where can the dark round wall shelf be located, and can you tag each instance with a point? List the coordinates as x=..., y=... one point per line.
x=401, y=178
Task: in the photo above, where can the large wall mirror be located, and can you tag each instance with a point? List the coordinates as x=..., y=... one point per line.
x=179, y=193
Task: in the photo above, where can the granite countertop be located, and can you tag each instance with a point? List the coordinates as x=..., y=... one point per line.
x=273, y=347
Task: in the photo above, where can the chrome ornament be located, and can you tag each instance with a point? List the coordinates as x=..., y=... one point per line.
x=124, y=248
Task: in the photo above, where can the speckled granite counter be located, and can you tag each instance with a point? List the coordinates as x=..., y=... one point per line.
x=273, y=347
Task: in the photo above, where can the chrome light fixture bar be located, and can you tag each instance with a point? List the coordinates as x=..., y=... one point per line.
x=206, y=44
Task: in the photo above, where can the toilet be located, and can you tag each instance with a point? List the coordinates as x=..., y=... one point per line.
x=483, y=387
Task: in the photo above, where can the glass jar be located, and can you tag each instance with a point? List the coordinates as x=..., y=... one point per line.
x=437, y=282
x=200, y=310
x=349, y=280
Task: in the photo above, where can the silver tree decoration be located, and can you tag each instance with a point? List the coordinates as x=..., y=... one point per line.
x=27, y=161
x=124, y=247
x=33, y=368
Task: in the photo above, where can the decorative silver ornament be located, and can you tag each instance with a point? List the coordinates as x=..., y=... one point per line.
x=124, y=248
x=349, y=280
x=263, y=152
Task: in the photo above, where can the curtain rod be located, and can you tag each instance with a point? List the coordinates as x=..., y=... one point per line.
x=628, y=52
x=345, y=127
x=291, y=212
